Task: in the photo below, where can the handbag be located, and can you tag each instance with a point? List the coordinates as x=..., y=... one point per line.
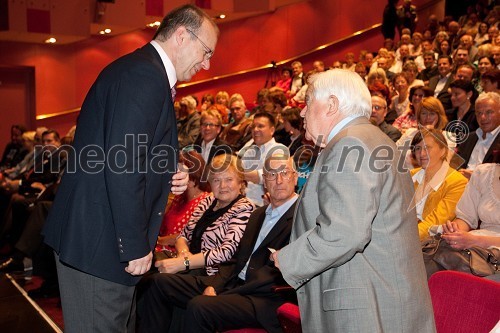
x=439, y=255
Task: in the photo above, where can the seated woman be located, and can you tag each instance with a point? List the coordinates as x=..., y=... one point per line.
x=216, y=226
x=430, y=114
x=408, y=119
x=463, y=109
x=292, y=122
x=438, y=187
x=480, y=202
x=182, y=206
x=489, y=81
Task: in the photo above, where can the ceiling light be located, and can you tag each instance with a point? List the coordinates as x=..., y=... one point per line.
x=51, y=40
x=221, y=16
x=154, y=24
x=108, y=31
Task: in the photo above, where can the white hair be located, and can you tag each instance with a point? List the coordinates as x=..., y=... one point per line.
x=350, y=90
x=495, y=97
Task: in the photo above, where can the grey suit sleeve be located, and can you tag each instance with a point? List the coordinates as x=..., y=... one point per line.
x=348, y=201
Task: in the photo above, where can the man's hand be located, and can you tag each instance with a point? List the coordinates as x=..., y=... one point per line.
x=39, y=186
x=274, y=257
x=209, y=291
x=139, y=266
x=180, y=180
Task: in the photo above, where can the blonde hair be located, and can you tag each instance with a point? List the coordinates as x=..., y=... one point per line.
x=224, y=162
x=432, y=104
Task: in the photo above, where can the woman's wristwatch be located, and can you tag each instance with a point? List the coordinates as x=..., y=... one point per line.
x=186, y=263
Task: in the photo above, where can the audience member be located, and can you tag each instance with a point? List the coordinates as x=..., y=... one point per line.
x=293, y=124
x=400, y=103
x=318, y=66
x=379, y=111
x=189, y=122
x=297, y=80
x=390, y=19
x=254, y=153
x=237, y=132
x=285, y=81
x=207, y=101
x=477, y=212
x=463, y=107
x=13, y=152
x=490, y=80
x=408, y=119
x=481, y=145
x=208, y=143
x=178, y=212
x=216, y=225
x=438, y=187
x=241, y=294
x=440, y=83
x=430, y=69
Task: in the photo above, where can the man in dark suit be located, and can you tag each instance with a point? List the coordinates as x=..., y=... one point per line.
x=108, y=210
x=208, y=143
x=440, y=83
x=483, y=145
x=240, y=294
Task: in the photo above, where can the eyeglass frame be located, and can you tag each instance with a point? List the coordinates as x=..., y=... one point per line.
x=209, y=125
x=208, y=54
x=283, y=174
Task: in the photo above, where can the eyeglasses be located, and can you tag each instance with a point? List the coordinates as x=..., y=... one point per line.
x=208, y=51
x=285, y=174
x=378, y=107
x=208, y=125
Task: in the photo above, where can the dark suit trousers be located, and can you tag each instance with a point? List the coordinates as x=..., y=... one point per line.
x=160, y=294
x=92, y=304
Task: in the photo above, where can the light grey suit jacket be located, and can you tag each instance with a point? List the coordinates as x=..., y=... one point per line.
x=355, y=256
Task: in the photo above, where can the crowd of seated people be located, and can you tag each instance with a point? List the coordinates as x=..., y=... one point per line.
x=434, y=92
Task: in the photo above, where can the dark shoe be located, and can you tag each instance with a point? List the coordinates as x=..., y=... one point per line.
x=45, y=291
x=11, y=265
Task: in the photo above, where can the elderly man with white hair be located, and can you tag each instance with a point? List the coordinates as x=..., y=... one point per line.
x=354, y=257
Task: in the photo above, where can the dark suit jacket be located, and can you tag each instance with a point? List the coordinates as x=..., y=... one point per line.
x=106, y=214
x=219, y=147
x=443, y=96
x=465, y=150
x=261, y=273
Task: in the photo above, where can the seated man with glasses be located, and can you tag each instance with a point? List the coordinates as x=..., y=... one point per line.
x=240, y=295
x=379, y=111
x=208, y=143
x=238, y=132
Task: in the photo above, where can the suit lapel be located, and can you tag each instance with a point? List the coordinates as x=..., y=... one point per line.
x=251, y=233
x=278, y=228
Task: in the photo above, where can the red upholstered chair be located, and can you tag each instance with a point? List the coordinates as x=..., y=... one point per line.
x=289, y=317
x=464, y=302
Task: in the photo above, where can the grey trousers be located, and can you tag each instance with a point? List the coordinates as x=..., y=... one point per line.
x=91, y=304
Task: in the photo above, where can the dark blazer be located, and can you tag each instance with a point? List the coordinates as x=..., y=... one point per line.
x=261, y=273
x=443, y=96
x=465, y=150
x=106, y=214
x=391, y=131
x=219, y=147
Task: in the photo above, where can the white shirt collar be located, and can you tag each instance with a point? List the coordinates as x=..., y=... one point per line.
x=436, y=180
x=337, y=128
x=489, y=136
x=169, y=67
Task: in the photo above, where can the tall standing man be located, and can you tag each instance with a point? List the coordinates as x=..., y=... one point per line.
x=354, y=257
x=109, y=207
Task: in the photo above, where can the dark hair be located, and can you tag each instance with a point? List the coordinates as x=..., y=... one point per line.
x=443, y=56
x=462, y=84
x=51, y=131
x=188, y=16
x=19, y=127
x=264, y=114
x=493, y=75
x=490, y=59
x=208, y=98
x=292, y=115
x=287, y=69
x=427, y=91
